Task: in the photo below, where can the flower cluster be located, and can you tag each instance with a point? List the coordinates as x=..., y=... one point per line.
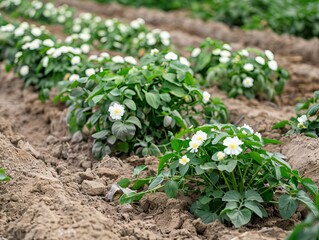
x=247, y=72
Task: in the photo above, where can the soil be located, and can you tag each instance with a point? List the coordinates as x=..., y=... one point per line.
x=58, y=190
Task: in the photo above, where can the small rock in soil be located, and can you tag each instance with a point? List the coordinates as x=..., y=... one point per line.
x=28, y=148
x=87, y=175
x=57, y=151
x=86, y=164
x=110, y=173
x=93, y=188
x=77, y=137
x=51, y=140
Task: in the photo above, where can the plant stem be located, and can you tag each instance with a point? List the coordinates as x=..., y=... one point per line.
x=226, y=181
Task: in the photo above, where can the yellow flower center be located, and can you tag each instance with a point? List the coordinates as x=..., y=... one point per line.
x=233, y=146
x=194, y=145
x=116, y=110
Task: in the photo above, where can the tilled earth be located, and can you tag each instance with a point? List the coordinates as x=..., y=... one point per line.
x=58, y=190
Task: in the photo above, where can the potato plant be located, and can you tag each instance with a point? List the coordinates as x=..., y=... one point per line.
x=122, y=109
x=247, y=72
x=230, y=174
x=307, y=119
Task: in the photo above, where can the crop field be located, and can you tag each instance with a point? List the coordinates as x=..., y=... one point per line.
x=132, y=120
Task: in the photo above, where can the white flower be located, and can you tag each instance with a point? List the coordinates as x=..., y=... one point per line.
x=216, y=51
x=89, y=72
x=248, y=82
x=221, y=155
x=130, y=60
x=227, y=47
x=302, y=119
x=7, y=28
x=57, y=53
x=151, y=41
x=248, y=127
x=196, y=52
x=45, y=61
x=85, y=48
x=184, y=61
x=184, y=160
x=194, y=145
x=206, y=97
x=24, y=70
x=48, y=43
x=118, y=59
x=269, y=54
x=116, y=111
x=225, y=53
x=232, y=146
x=260, y=60
x=84, y=36
x=249, y=67
x=76, y=28
x=36, y=32
x=105, y=55
x=61, y=19
x=18, y=55
x=223, y=59
x=258, y=135
x=244, y=52
x=200, y=136
x=137, y=23
x=75, y=60
x=74, y=77
x=93, y=58
x=154, y=51
x=165, y=35
x=165, y=42
x=273, y=65
x=19, y=32
x=171, y=56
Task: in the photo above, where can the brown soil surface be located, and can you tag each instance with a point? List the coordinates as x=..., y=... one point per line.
x=58, y=190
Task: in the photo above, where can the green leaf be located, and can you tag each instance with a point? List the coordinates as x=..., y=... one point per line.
x=153, y=99
x=171, y=77
x=232, y=196
x=303, y=197
x=123, y=131
x=157, y=181
x=229, y=167
x=134, y=120
x=171, y=188
x=251, y=195
x=76, y=92
x=313, y=110
x=208, y=166
x=239, y=217
x=163, y=160
x=100, y=135
x=287, y=206
x=310, y=185
x=111, y=139
x=271, y=141
x=177, y=144
x=130, y=104
x=280, y=124
x=3, y=176
x=183, y=169
x=97, y=98
x=124, y=182
x=138, y=170
x=253, y=206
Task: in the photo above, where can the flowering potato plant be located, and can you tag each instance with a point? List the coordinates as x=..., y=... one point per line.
x=37, y=10
x=229, y=172
x=133, y=38
x=247, y=72
x=307, y=119
x=122, y=109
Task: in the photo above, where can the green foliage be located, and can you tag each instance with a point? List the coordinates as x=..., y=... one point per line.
x=247, y=72
x=307, y=119
x=122, y=109
x=231, y=174
x=3, y=176
x=309, y=228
